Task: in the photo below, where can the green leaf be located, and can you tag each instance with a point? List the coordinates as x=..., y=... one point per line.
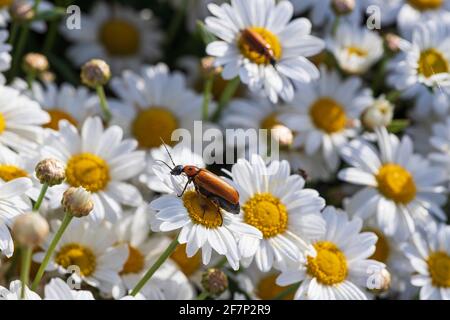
x=206, y=36
x=398, y=125
x=55, y=13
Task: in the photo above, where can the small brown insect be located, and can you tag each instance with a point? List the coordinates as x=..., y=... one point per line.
x=207, y=184
x=259, y=44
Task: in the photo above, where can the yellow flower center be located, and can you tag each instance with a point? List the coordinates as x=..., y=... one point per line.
x=423, y=5
x=151, y=125
x=76, y=254
x=328, y=115
x=439, y=268
x=9, y=172
x=432, y=62
x=382, y=249
x=2, y=123
x=357, y=51
x=120, y=37
x=202, y=210
x=57, y=115
x=135, y=262
x=5, y=3
x=88, y=171
x=396, y=183
x=329, y=266
x=265, y=38
x=266, y=213
x=268, y=289
x=187, y=265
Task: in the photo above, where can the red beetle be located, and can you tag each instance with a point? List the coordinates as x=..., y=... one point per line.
x=207, y=184
x=258, y=44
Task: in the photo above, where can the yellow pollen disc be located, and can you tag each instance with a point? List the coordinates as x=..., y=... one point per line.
x=423, y=5
x=432, y=62
x=88, y=171
x=152, y=124
x=187, y=265
x=120, y=37
x=135, y=262
x=328, y=115
x=329, y=266
x=76, y=254
x=9, y=172
x=57, y=115
x=5, y=3
x=253, y=54
x=439, y=268
x=357, y=52
x=268, y=289
x=266, y=213
x=396, y=183
x=202, y=210
x=382, y=249
x=2, y=123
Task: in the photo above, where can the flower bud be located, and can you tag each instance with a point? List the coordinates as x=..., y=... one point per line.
x=22, y=11
x=380, y=114
x=208, y=68
x=282, y=134
x=214, y=281
x=383, y=281
x=95, y=73
x=77, y=202
x=35, y=63
x=30, y=229
x=343, y=7
x=50, y=171
x=47, y=76
x=393, y=42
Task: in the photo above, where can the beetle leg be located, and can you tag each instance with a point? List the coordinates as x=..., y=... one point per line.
x=185, y=187
x=217, y=204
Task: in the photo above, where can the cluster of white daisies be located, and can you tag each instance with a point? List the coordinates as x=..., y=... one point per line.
x=356, y=208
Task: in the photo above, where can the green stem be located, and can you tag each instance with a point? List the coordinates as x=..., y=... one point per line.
x=176, y=22
x=38, y=203
x=221, y=263
x=207, y=93
x=20, y=47
x=169, y=250
x=202, y=296
x=104, y=103
x=65, y=223
x=31, y=76
x=335, y=25
x=51, y=36
x=25, y=269
x=14, y=31
x=289, y=290
x=227, y=94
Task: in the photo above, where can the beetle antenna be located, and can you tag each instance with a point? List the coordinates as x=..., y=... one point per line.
x=164, y=163
x=165, y=147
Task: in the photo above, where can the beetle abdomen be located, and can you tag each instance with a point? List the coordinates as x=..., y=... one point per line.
x=216, y=186
x=222, y=203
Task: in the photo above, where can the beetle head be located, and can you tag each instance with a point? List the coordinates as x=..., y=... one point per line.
x=177, y=170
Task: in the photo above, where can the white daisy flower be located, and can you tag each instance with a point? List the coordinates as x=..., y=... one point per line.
x=64, y=103
x=355, y=48
x=195, y=10
x=20, y=121
x=422, y=70
x=57, y=289
x=244, y=24
x=274, y=201
x=321, y=12
x=5, y=53
x=429, y=255
x=98, y=160
x=327, y=113
x=92, y=249
x=337, y=266
x=440, y=141
x=153, y=104
x=413, y=13
x=117, y=34
x=15, y=290
x=400, y=187
x=203, y=225
x=12, y=204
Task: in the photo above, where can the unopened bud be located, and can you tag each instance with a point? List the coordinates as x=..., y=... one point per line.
x=380, y=114
x=50, y=171
x=214, y=281
x=208, y=68
x=22, y=11
x=35, y=63
x=47, y=76
x=282, y=134
x=383, y=281
x=343, y=7
x=95, y=73
x=30, y=229
x=393, y=42
x=77, y=202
